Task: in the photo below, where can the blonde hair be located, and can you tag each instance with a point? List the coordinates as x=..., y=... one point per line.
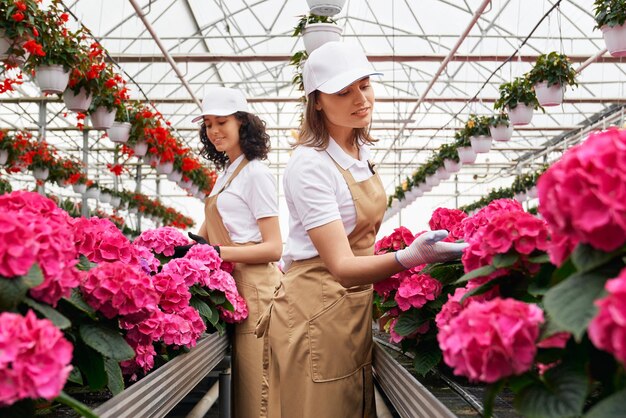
x=313, y=132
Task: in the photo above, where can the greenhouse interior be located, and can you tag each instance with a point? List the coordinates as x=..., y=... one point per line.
x=177, y=178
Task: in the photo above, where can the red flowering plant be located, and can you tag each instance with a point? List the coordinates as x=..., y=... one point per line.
x=18, y=24
x=110, y=90
x=38, y=154
x=66, y=171
x=86, y=75
x=142, y=119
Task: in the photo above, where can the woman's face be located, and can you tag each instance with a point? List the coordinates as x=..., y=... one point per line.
x=351, y=107
x=223, y=132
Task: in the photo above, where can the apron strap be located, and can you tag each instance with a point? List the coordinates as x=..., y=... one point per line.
x=232, y=177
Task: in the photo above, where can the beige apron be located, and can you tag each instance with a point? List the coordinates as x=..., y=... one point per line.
x=319, y=334
x=256, y=284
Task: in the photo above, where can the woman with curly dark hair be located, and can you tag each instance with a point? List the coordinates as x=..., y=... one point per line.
x=241, y=219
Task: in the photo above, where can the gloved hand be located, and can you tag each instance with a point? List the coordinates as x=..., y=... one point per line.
x=427, y=249
x=181, y=250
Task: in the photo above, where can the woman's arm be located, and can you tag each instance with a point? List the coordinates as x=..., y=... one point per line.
x=270, y=249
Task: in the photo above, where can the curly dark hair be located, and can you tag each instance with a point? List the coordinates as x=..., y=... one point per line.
x=254, y=141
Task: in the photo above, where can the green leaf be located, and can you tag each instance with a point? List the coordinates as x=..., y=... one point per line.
x=427, y=357
x=587, y=258
x=501, y=261
x=59, y=320
x=12, y=292
x=23, y=408
x=389, y=304
x=518, y=383
x=84, y=264
x=561, y=394
x=540, y=259
x=77, y=301
x=446, y=273
x=211, y=315
x=34, y=277
x=489, y=397
x=106, y=341
x=91, y=365
x=408, y=323
x=218, y=298
x=612, y=406
x=571, y=303
x=483, y=288
x=114, y=376
x=541, y=283
x=479, y=272
x=197, y=290
x=75, y=376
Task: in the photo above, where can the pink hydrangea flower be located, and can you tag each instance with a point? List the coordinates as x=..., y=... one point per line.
x=148, y=262
x=453, y=306
x=607, y=329
x=144, y=360
x=240, y=309
x=161, y=240
x=416, y=290
x=395, y=338
x=145, y=331
x=583, y=195
x=473, y=223
x=192, y=271
x=222, y=281
x=400, y=238
x=173, y=291
x=205, y=254
x=182, y=328
x=34, y=358
x=101, y=241
x=18, y=245
x=491, y=340
x=388, y=286
x=120, y=289
x=450, y=220
x=558, y=340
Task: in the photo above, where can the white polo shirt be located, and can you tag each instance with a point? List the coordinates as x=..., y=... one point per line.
x=317, y=194
x=250, y=196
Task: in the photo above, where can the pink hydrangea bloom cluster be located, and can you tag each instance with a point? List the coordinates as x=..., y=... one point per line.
x=173, y=291
x=400, y=238
x=34, y=229
x=192, y=271
x=146, y=331
x=161, y=240
x=34, y=358
x=224, y=282
x=182, y=328
x=453, y=306
x=101, y=241
x=473, y=223
x=120, y=289
x=143, y=360
x=450, y=220
x=607, y=329
x=583, y=195
x=416, y=290
x=507, y=231
x=491, y=340
x=206, y=254
x=395, y=338
x=148, y=262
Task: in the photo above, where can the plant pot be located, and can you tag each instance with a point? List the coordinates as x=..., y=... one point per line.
x=77, y=102
x=549, y=96
x=105, y=197
x=115, y=201
x=425, y=187
x=140, y=148
x=501, y=133
x=165, y=168
x=41, y=173
x=185, y=184
x=6, y=44
x=466, y=155
x=92, y=193
x=520, y=197
x=432, y=181
x=442, y=173
x=133, y=210
x=193, y=189
x=315, y=35
x=102, y=118
x=325, y=7
x=481, y=144
x=520, y=114
x=531, y=193
x=615, y=39
x=452, y=166
x=119, y=132
x=51, y=78
x=175, y=176
x=79, y=188
x=201, y=195
x=4, y=156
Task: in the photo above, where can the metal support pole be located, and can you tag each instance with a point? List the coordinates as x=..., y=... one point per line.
x=84, y=207
x=224, y=391
x=456, y=191
x=138, y=190
x=42, y=120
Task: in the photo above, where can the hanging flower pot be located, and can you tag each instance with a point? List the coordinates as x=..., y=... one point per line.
x=615, y=39
x=51, y=78
x=425, y=187
x=481, y=144
x=102, y=118
x=520, y=197
x=92, y=193
x=79, y=188
x=452, y=166
x=105, y=197
x=201, y=195
x=41, y=173
x=115, y=201
x=6, y=44
x=315, y=35
x=432, y=181
x=549, y=96
x=501, y=133
x=325, y=7
x=4, y=156
x=193, y=189
x=466, y=155
x=532, y=192
x=442, y=173
x=165, y=168
x=77, y=102
x=520, y=114
x=175, y=176
x=119, y=132
x=140, y=148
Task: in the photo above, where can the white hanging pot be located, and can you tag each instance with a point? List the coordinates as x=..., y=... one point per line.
x=432, y=181
x=140, y=148
x=193, y=189
x=41, y=173
x=532, y=192
x=175, y=175
x=105, y=197
x=102, y=118
x=77, y=102
x=325, y=7
x=6, y=44
x=315, y=35
x=79, y=188
x=442, y=173
x=165, y=168
x=481, y=144
x=466, y=155
x=92, y=193
x=185, y=184
x=201, y=195
x=520, y=114
x=501, y=133
x=452, y=166
x=425, y=187
x=133, y=210
x=520, y=197
x=119, y=132
x=615, y=39
x=115, y=201
x=549, y=96
x=51, y=78
x=4, y=156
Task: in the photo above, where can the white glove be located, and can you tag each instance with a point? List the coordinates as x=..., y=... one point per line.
x=427, y=249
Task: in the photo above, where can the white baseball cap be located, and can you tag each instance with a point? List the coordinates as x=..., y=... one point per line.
x=222, y=101
x=334, y=66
